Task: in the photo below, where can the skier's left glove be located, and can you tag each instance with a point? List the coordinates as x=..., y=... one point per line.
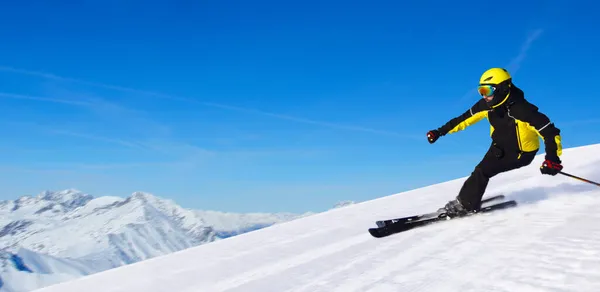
x=551, y=166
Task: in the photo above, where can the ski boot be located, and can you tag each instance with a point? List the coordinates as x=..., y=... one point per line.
x=453, y=209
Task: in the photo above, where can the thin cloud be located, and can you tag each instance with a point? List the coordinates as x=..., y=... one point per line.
x=305, y=121
x=47, y=99
x=103, y=166
x=170, y=147
x=101, y=105
x=99, y=138
x=36, y=170
x=80, y=81
x=48, y=129
x=73, y=168
x=209, y=104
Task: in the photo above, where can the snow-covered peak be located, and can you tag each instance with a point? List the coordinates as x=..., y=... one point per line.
x=228, y=224
x=342, y=204
x=144, y=197
x=165, y=205
x=48, y=202
x=70, y=198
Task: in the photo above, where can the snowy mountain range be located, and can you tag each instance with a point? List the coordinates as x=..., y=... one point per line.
x=57, y=236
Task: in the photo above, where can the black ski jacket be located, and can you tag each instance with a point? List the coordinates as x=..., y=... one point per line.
x=515, y=125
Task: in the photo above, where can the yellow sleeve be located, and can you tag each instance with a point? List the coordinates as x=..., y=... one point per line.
x=473, y=119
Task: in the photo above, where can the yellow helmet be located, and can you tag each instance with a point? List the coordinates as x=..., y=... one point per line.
x=494, y=76
x=495, y=83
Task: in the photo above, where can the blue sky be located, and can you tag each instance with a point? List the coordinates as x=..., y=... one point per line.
x=272, y=105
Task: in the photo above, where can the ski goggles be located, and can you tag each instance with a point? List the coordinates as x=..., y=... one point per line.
x=486, y=90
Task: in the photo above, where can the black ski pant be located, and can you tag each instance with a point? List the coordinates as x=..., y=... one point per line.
x=495, y=161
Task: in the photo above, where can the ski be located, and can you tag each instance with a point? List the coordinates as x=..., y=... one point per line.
x=382, y=223
x=402, y=226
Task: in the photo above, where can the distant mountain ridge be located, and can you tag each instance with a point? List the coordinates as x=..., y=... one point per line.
x=56, y=236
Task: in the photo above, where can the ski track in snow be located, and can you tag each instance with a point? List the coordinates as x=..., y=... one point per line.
x=551, y=242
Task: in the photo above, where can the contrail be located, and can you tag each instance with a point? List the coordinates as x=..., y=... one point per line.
x=302, y=120
x=514, y=65
x=98, y=138
x=48, y=99
x=209, y=104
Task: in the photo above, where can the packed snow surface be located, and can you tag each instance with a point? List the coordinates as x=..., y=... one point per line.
x=551, y=242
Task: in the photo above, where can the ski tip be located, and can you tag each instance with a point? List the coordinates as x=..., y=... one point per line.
x=377, y=232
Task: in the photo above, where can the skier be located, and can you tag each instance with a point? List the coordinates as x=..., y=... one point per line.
x=515, y=125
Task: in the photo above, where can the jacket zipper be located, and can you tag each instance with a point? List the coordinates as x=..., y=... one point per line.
x=518, y=139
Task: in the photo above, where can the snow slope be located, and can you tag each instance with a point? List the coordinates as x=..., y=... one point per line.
x=551, y=242
x=58, y=236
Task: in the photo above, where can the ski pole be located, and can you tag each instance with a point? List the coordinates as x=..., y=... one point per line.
x=579, y=178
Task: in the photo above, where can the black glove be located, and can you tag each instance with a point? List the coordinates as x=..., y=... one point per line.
x=433, y=135
x=551, y=166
